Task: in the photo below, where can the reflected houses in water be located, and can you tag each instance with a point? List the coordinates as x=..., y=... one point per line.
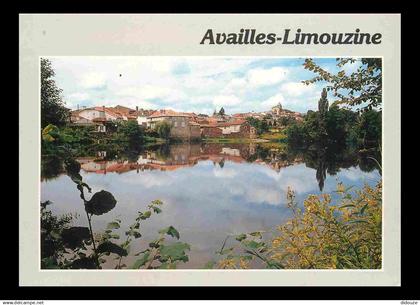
x=325, y=161
x=173, y=157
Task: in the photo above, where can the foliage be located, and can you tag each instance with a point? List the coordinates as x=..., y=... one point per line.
x=325, y=235
x=286, y=121
x=261, y=126
x=369, y=128
x=273, y=136
x=51, y=242
x=67, y=247
x=52, y=105
x=163, y=128
x=360, y=88
x=130, y=132
x=339, y=126
x=323, y=104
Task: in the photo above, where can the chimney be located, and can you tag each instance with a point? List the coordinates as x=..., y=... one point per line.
x=137, y=108
x=103, y=108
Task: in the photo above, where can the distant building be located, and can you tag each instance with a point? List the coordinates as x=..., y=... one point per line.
x=95, y=116
x=102, y=116
x=238, y=128
x=277, y=110
x=183, y=125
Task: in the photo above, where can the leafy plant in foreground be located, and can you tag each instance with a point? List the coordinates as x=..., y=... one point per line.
x=64, y=246
x=324, y=235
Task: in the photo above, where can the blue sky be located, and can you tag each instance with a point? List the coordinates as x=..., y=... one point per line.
x=198, y=84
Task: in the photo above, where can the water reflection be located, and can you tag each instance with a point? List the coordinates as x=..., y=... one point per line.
x=173, y=157
x=208, y=190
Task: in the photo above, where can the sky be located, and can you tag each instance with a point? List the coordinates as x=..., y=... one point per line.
x=190, y=84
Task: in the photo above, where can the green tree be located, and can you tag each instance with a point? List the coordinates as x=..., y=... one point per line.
x=163, y=128
x=339, y=123
x=360, y=88
x=295, y=135
x=322, y=111
x=131, y=132
x=261, y=126
x=52, y=105
x=369, y=128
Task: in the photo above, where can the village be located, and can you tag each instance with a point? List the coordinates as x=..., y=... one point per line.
x=185, y=126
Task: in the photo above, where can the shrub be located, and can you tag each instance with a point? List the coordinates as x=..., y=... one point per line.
x=346, y=235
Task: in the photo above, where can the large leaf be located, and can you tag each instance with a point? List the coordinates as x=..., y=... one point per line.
x=108, y=246
x=174, y=252
x=50, y=133
x=113, y=225
x=253, y=244
x=101, y=202
x=170, y=231
x=141, y=261
x=240, y=237
x=73, y=237
x=145, y=215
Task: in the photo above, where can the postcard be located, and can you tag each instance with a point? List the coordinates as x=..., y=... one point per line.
x=185, y=150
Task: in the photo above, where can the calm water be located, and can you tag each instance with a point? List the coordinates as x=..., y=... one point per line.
x=209, y=191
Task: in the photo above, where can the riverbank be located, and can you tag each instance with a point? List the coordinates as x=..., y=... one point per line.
x=233, y=140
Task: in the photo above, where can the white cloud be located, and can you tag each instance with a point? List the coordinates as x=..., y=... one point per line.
x=237, y=84
x=224, y=172
x=226, y=100
x=274, y=100
x=266, y=77
x=295, y=89
x=152, y=92
x=93, y=80
x=78, y=97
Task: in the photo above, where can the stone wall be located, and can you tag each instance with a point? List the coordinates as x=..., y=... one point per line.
x=211, y=132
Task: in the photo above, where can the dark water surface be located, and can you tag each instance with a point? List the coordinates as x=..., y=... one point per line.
x=209, y=191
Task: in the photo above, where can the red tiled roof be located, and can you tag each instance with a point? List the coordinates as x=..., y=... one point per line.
x=169, y=113
x=110, y=111
x=235, y=122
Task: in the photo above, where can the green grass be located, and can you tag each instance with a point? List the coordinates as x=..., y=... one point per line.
x=273, y=136
x=148, y=139
x=228, y=140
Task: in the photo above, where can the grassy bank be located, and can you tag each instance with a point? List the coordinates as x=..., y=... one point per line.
x=233, y=140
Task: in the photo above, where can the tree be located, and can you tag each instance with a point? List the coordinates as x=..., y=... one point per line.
x=163, y=128
x=222, y=111
x=52, y=105
x=360, y=88
x=369, y=128
x=322, y=113
x=339, y=123
x=323, y=104
x=261, y=126
x=131, y=132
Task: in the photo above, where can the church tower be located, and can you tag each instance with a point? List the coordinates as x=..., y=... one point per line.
x=277, y=109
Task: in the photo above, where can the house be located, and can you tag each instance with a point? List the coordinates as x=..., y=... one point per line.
x=278, y=112
x=100, y=117
x=126, y=113
x=235, y=128
x=183, y=125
